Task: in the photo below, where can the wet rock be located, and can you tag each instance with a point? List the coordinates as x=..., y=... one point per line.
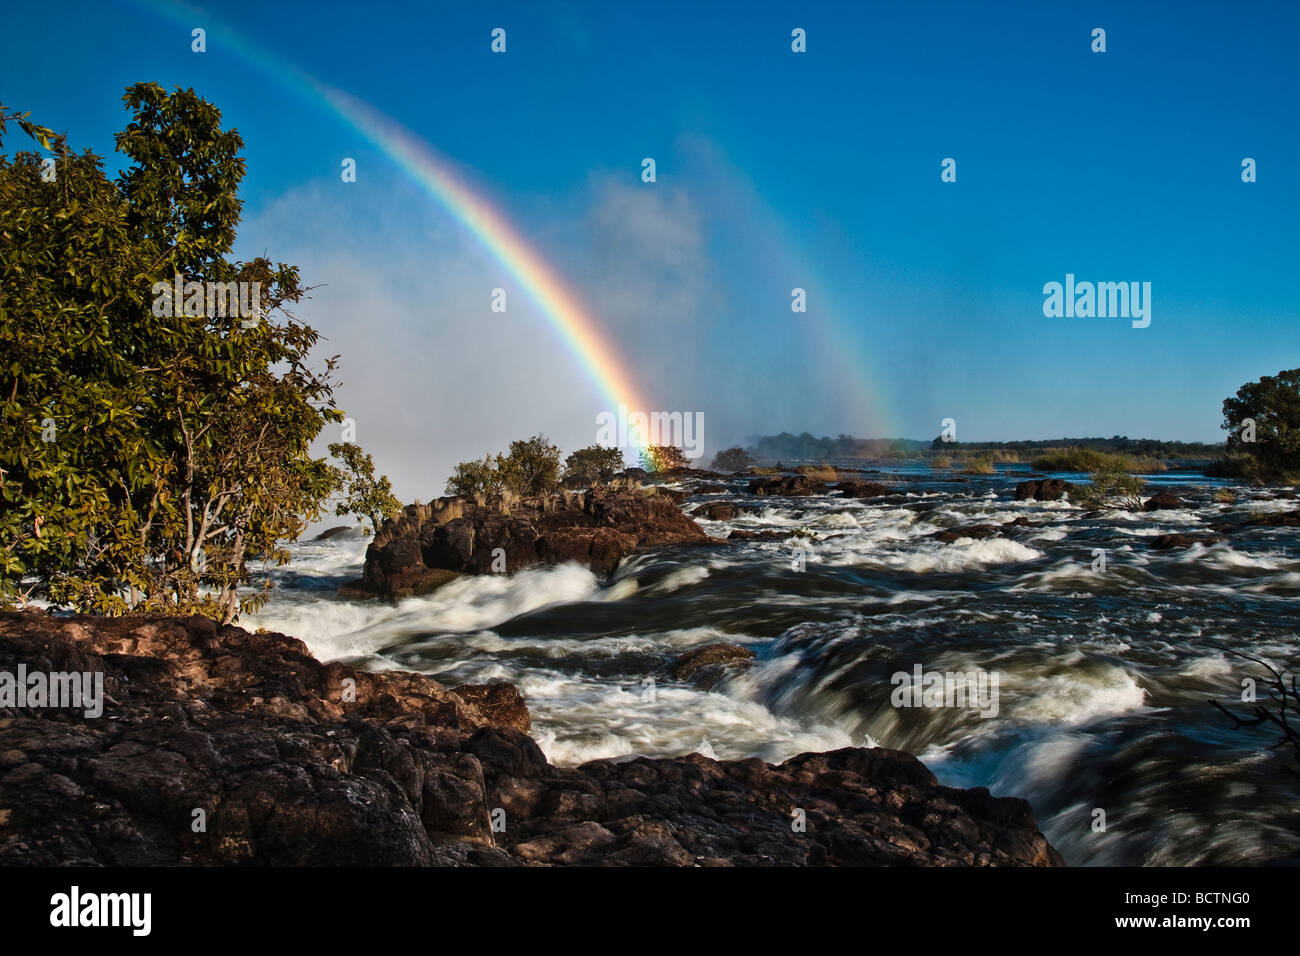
x=355, y=590
x=790, y=486
x=339, y=531
x=676, y=495
x=715, y=511
x=713, y=655
x=1280, y=519
x=429, y=545
x=292, y=762
x=711, y=489
x=1021, y=522
x=1046, y=489
x=499, y=702
x=1162, y=500
x=1167, y=541
x=861, y=489
x=976, y=531
x=739, y=534
x=694, y=810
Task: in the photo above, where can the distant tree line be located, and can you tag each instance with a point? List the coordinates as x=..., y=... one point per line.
x=1117, y=444
x=807, y=447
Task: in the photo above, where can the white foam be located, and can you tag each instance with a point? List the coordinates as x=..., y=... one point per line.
x=1075, y=698
x=333, y=629
x=585, y=719
x=965, y=553
x=680, y=578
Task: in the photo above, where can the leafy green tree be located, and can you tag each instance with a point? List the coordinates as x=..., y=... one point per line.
x=594, y=464
x=363, y=494
x=1263, y=422
x=663, y=458
x=732, y=459
x=470, y=478
x=532, y=467
x=143, y=458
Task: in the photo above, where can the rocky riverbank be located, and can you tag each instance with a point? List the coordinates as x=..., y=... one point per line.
x=221, y=746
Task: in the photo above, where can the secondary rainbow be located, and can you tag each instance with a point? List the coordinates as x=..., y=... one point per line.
x=577, y=328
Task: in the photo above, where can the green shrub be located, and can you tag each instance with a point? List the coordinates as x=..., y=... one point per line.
x=594, y=464
x=1106, y=486
x=1237, y=465
x=531, y=468
x=470, y=478
x=362, y=494
x=663, y=458
x=732, y=459
x=1088, y=460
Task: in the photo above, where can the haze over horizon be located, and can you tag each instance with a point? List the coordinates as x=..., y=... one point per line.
x=775, y=170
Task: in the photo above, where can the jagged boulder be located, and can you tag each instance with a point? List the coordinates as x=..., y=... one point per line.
x=712, y=656
x=1047, y=489
x=1162, y=500
x=715, y=511
x=861, y=489
x=428, y=545
x=792, y=486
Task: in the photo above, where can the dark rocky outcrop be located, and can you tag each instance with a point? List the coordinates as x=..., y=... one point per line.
x=1162, y=500
x=861, y=807
x=791, y=486
x=1166, y=541
x=739, y=534
x=715, y=511
x=1021, y=522
x=290, y=761
x=1046, y=489
x=428, y=545
x=861, y=489
x=976, y=531
x=981, y=531
x=678, y=474
x=675, y=495
x=294, y=762
x=499, y=703
x=711, y=656
x=1278, y=519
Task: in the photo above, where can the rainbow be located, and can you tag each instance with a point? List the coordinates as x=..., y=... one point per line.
x=437, y=178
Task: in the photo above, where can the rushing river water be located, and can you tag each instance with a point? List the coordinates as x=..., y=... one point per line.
x=1104, y=676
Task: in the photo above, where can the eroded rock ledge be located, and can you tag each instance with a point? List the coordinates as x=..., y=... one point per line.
x=428, y=545
x=289, y=769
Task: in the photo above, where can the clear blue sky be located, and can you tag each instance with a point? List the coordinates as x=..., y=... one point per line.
x=819, y=170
